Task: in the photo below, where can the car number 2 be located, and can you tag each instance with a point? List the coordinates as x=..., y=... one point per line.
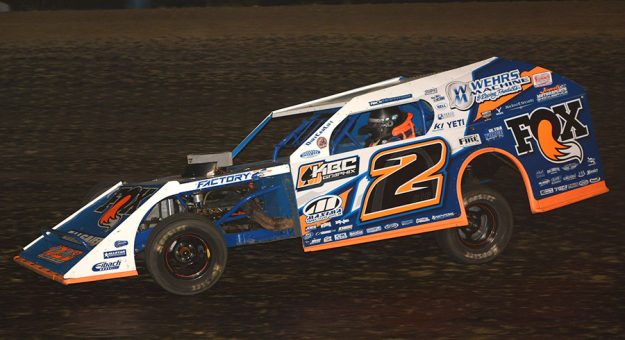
x=405, y=178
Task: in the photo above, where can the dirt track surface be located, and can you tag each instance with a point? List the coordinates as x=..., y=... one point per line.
x=103, y=102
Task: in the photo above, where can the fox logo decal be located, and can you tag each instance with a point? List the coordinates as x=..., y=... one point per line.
x=555, y=130
x=123, y=202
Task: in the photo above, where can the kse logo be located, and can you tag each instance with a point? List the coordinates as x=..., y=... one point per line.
x=554, y=130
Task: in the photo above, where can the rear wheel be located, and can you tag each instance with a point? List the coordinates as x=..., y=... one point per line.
x=186, y=254
x=489, y=229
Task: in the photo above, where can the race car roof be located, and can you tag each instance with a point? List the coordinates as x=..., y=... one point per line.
x=335, y=100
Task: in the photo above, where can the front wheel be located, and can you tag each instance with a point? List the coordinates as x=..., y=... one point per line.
x=186, y=254
x=489, y=229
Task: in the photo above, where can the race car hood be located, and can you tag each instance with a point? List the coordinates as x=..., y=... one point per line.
x=100, y=239
x=84, y=233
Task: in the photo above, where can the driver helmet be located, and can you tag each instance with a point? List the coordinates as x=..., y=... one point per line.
x=383, y=121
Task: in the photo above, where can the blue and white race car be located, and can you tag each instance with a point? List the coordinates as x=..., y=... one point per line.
x=400, y=157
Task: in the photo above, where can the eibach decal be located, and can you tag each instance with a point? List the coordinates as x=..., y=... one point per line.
x=123, y=202
x=406, y=178
x=555, y=131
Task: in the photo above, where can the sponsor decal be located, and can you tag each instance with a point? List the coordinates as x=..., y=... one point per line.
x=494, y=133
x=442, y=216
x=323, y=208
x=592, y=171
x=90, y=239
x=373, y=230
x=581, y=173
x=391, y=226
x=223, y=180
x=553, y=170
x=573, y=185
x=583, y=182
x=114, y=253
x=595, y=180
x=437, y=98
x=556, y=180
x=121, y=243
x=324, y=232
x=321, y=130
x=316, y=174
x=452, y=124
x=445, y=115
x=540, y=173
x=308, y=236
x=460, y=96
x=569, y=166
x=343, y=221
x=310, y=153
x=340, y=236
x=327, y=239
x=493, y=87
x=455, y=123
x=345, y=228
x=103, y=266
x=121, y=203
x=407, y=222
x=542, y=79
x=310, y=228
x=422, y=220
x=518, y=105
x=561, y=188
x=498, y=111
x=470, y=140
x=389, y=100
x=555, y=131
x=59, y=254
x=322, y=142
x=356, y=233
x=591, y=161
x=430, y=92
x=546, y=191
x=549, y=93
x=315, y=241
x=325, y=225
x=544, y=182
x=569, y=178
x=441, y=106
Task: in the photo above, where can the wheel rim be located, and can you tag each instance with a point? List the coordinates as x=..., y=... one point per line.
x=482, y=226
x=187, y=256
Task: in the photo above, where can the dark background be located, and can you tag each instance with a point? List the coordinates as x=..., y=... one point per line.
x=119, y=98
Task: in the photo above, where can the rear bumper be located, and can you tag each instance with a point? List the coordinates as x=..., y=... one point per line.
x=59, y=278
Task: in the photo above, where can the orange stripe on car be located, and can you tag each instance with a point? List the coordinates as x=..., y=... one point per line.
x=59, y=278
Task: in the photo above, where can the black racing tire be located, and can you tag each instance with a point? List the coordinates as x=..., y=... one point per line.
x=489, y=230
x=186, y=254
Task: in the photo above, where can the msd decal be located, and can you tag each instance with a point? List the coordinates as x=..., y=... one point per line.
x=555, y=130
x=316, y=174
x=123, y=202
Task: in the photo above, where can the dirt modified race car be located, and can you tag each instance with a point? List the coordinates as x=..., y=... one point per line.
x=399, y=157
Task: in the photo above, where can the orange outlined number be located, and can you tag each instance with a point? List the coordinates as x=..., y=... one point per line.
x=405, y=178
x=59, y=254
